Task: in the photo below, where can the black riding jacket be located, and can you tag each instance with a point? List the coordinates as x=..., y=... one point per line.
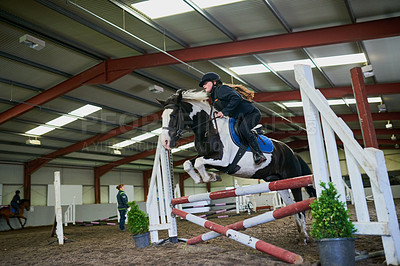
x=122, y=200
x=229, y=102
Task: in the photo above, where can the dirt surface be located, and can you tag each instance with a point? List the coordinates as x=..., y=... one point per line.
x=106, y=245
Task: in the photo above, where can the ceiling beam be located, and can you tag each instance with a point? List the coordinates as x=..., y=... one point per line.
x=376, y=29
x=113, y=69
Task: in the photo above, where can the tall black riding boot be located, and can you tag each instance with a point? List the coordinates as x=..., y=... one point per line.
x=258, y=156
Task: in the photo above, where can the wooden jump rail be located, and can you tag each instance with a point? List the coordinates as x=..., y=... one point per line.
x=257, y=220
x=249, y=241
x=296, y=182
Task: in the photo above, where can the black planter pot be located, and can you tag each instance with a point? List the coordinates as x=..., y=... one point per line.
x=142, y=241
x=336, y=251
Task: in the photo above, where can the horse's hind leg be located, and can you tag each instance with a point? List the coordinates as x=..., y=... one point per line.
x=207, y=177
x=300, y=219
x=8, y=222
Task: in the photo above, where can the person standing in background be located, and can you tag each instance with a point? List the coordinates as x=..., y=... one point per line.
x=122, y=200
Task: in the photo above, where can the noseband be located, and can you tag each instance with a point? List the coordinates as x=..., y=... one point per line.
x=179, y=124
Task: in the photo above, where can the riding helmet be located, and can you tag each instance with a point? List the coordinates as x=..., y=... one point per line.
x=210, y=76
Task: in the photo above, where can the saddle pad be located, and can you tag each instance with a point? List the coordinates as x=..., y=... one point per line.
x=267, y=147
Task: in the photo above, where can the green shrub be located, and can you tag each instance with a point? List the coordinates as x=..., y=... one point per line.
x=330, y=217
x=138, y=223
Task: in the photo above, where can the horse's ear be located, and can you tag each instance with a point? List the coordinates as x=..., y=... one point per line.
x=161, y=102
x=179, y=98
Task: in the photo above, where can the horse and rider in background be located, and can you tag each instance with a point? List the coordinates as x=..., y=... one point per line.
x=16, y=210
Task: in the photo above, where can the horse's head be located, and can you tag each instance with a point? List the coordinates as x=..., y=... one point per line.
x=178, y=114
x=26, y=204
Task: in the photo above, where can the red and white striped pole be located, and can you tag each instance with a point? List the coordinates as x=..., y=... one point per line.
x=249, y=241
x=297, y=182
x=260, y=219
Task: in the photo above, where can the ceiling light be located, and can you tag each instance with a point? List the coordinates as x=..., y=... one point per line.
x=163, y=8
x=250, y=69
x=389, y=125
x=382, y=108
x=393, y=137
x=367, y=71
x=40, y=130
x=63, y=120
x=156, y=89
x=32, y=42
x=289, y=65
x=183, y=147
x=117, y=152
x=33, y=141
x=139, y=138
x=333, y=102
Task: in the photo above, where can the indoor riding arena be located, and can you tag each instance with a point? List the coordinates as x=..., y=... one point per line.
x=196, y=132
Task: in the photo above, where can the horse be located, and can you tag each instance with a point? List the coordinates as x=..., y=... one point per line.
x=189, y=110
x=7, y=212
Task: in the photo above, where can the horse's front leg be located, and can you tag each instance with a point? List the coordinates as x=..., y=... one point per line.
x=300, y=219
x=19, y=220
x=200, y=166
x=188, y=167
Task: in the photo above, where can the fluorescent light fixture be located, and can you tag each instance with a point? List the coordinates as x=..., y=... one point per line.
x=40, y=130
x=289, y=65
x=139, y=138
x=61, y=121
x=250, y=69
x=183, y=147
x=341, y=60
x=64, y=119
x=85, y=110
x=334, y=102
x=117, y=152
x=123, y=144
x=163, y=8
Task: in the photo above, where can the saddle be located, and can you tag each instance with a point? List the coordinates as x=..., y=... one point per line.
x=264, y=142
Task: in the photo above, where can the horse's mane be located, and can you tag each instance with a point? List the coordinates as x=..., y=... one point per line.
x=200, y=96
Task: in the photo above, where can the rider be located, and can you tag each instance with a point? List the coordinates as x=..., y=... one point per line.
x=122, y=200
x=15, y=202
x=229, y=103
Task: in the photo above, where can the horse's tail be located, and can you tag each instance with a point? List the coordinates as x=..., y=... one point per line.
x=306, y=170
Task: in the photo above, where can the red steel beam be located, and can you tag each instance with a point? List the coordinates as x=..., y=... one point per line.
x=113, y=69
x=364, y=112
x=336, y=92
x=376, y=29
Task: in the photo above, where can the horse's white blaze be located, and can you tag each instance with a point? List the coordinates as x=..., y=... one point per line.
x=165, y=138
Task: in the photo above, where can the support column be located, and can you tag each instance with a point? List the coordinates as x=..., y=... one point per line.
x=146, y=177
x=182, y=177
x=96, y=186
x=364, y=112
x=27, y=182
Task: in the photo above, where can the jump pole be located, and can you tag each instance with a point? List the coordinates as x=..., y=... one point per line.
x=260, y=219
x=296, y=182
x=249, y=241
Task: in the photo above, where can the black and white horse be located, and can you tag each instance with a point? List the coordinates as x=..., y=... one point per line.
x=217, y=148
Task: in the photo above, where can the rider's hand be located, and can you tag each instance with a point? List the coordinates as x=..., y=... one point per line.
x=220, y=114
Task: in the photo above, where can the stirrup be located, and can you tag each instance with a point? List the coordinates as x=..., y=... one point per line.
x=258, y=129
x=259, y=158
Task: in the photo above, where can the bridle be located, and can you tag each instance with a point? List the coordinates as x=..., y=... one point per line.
x=180, y=120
